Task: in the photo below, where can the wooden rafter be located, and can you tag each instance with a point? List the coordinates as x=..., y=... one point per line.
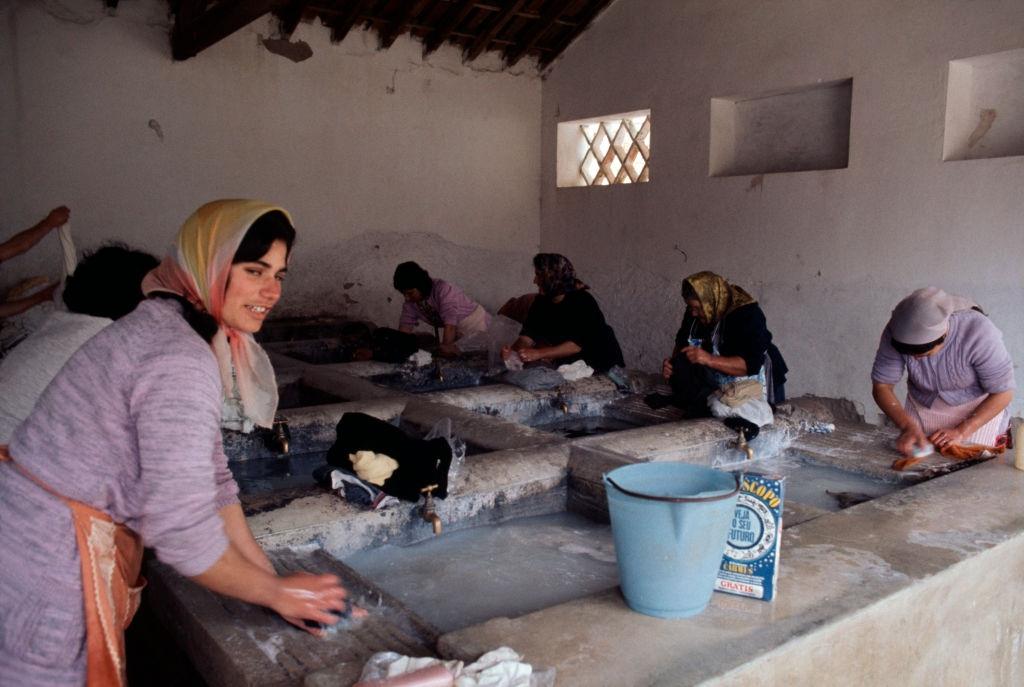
x=490, y=32
x=528, y=41
x=290, y=15
x=191, y=36
x=398, y=25
x=449, y=23
x=543, y=28
x=343, y=23
x=583, y=20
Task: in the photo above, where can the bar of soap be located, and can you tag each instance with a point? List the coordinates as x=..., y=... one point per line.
x=923, y=451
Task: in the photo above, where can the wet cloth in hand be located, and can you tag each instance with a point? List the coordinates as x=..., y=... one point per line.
x=420, y=462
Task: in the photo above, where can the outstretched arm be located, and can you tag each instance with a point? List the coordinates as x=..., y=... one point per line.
x=911, y=434
x=23, y=240
x=20, y=305
x=295, y=597
x=245, y=545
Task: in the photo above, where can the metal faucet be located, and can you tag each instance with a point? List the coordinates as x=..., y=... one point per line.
x=437, y=371
x=281, y=435
x=428, y=512
x=742, y=445
x=560, y=403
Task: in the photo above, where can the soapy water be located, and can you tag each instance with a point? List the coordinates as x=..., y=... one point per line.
x=467, y=577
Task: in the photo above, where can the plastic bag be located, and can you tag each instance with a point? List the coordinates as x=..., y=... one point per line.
x=501, y=667
x=756, y=410
x=502, y=331
x=442, y=429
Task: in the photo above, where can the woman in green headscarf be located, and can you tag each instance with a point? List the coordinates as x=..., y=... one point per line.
x=723, y=338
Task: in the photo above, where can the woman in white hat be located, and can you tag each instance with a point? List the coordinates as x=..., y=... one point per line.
x=959, y=373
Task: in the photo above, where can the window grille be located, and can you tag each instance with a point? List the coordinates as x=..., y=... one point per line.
x=618, y=151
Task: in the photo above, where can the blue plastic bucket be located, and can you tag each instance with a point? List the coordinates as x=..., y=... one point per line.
x=670, y=522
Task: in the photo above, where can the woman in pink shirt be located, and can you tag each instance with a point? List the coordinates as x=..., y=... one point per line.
x=443, y=306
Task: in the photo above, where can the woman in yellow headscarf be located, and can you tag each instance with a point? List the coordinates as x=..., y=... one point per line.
x=723, y=338
x=124, y=449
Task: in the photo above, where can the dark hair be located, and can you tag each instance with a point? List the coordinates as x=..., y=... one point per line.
x=916, y=349
x=108, y=281
x=409, y=275
x=689, y=293
x=270, y=227
x=556, y=274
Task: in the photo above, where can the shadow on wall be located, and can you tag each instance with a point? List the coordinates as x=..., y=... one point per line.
x=353, y=278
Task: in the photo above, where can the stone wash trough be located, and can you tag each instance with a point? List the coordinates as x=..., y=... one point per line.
x=916, y=583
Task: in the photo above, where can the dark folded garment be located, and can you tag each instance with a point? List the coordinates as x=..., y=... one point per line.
x=420, y=462
x=393, y=346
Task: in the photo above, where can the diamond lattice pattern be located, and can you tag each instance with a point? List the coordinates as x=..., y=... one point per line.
x=618, y=151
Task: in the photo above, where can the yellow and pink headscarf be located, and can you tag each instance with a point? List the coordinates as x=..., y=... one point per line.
x=198, y=271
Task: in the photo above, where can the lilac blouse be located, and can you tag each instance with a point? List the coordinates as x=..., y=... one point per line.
x=131, y=426
x=973, y=362
x=446, y=305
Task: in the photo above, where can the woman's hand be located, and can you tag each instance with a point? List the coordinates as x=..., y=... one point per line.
x=947, y=437
x=697, y=355
x=506, y=352
x=303, y=596
x=449, y=350
x=666, y=368
x=528, y=355
x=910, y=439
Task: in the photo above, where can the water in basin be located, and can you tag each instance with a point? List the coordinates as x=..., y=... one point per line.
x=814, y=485
x=299, y=395
x=573, y=427
x=438, y=376
x=264, y=475
x=466, y=577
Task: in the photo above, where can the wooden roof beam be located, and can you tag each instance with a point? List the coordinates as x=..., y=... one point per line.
x=448, y=24
x=528, y=41
x=389, y=36
x=497, y=25
x=583, y=21
x=346, y=20
x=207, y=28
x=289, y=17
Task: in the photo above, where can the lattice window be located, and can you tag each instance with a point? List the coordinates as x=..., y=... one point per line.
x=617, y=151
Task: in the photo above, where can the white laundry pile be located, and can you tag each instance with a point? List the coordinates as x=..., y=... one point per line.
x=421, y=358
x=502, y=667
x=577, y=370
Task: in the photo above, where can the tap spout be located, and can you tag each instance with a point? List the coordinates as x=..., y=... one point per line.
x=427, y=511
x=742, y=445
x=280, y=434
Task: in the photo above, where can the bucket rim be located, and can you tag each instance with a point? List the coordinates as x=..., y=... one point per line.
x=678, y=499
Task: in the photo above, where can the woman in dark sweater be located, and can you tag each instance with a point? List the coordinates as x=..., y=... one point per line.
x=723, y=338
x=565, y=323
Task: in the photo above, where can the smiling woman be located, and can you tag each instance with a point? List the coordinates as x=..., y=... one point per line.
x=123, y=449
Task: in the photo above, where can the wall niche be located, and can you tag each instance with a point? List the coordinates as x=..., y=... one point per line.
x=985, y=107
x=791, y=130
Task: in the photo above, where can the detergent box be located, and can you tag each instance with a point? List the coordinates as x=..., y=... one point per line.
x=750, y=565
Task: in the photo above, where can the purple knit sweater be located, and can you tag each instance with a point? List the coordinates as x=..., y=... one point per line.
x=131, y=426
x=972, y=363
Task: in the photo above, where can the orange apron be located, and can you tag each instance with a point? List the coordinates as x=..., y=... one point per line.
x=111, y=557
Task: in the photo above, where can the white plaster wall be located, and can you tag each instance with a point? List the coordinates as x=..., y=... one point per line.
x=380, y=156
x=828, y=253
